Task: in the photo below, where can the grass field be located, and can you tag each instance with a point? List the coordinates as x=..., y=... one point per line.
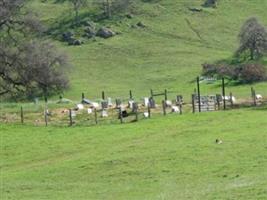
x=164, y=158
x=166, y=55
x=172, y=157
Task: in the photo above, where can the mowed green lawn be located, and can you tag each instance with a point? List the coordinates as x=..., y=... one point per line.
x=173, y=157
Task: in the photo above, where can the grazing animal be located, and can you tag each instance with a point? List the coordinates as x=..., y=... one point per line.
x=218, y=141
x=258, y=96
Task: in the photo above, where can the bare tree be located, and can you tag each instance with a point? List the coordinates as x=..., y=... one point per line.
x=27, y=65
x=77, y=5
x=110, y=7
x=253, y=39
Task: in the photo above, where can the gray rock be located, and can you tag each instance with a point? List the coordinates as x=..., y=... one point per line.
x=141, y=25
x=129, y=16
x=67, y=36
x=74, y=41
x=105, y=33
x=90, y=24
x=89, y=32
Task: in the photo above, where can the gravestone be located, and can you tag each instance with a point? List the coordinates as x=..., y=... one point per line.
x=152, y=103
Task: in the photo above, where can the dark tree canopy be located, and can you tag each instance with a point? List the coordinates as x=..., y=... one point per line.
x=28, y=65
x=253, y=39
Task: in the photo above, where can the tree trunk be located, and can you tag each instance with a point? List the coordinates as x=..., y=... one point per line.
x=251, y=54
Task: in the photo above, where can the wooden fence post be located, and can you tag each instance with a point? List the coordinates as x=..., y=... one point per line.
x=193, y=103
x=149, y=110
x=231, y=100
x=164, y=107
x=198, y=94
x=83, y=96
x=165, y=95
x=21, y=115
x=103, y=95
x=95, y=111
x=253, y=95
x=223, y=94
x=218, y=101
x=70, y=117
x=45, y=112
x=131, y=94
x=120, y=115
x=151, y=93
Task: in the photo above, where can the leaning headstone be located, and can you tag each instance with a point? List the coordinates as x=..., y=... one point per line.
x=104, y=104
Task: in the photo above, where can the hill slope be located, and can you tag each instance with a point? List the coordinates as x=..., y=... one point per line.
x=167, y=54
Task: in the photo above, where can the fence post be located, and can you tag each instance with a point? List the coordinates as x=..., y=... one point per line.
x=164, y=107
x=103, y=95
x=193, y=103
x=223, y=94
x=120, y=115
x=231, y=100
x=83, y=96
x=45, y=112
x=131, y=94
x=151, y=93
x=218, y=101
x=253, y=95
x=95, y=111
x=70, y=117
x=198, y=93
x=21, y=115
x=165, y=95
x=149, y=111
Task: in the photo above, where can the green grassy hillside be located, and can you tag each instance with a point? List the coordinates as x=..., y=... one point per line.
x=167, y=54
x=171, y=158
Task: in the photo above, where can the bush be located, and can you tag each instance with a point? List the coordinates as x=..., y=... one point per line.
x=252, y=73
x=245, y=73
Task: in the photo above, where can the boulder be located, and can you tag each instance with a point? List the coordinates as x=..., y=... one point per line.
x=105, y=33
x=74, y=41
x=141, y=25
x=89, y=32
x=90, y=24
x=129, y=16
x=67, y=36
